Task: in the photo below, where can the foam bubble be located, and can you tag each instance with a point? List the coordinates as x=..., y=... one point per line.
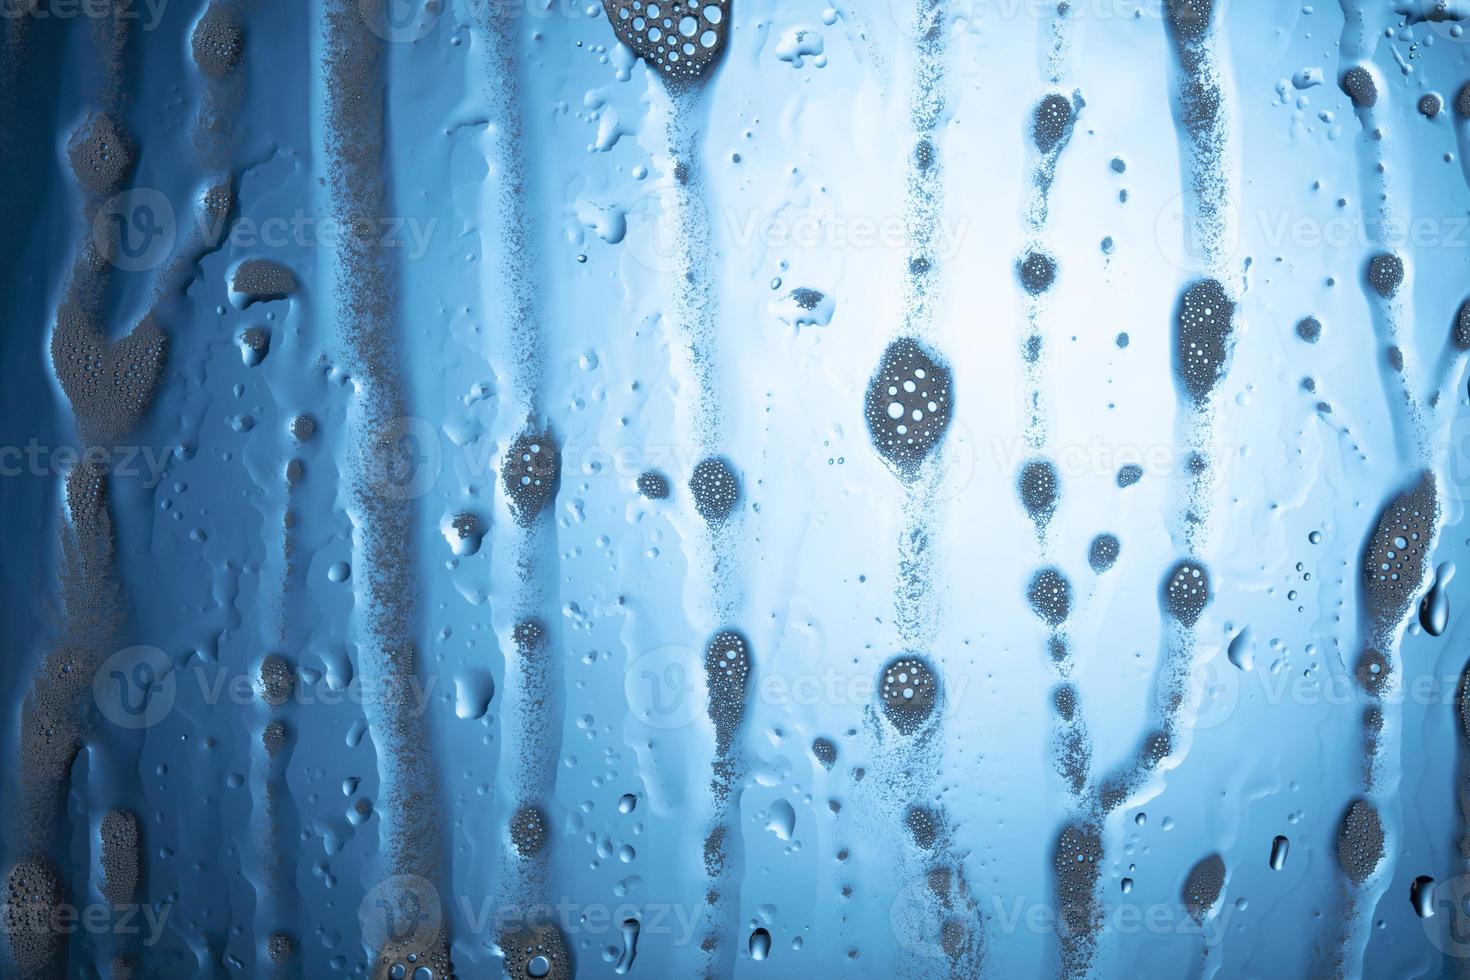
x=1051, y=122
x=1360, y=841
x=1396, y=559
x=1036, y=271
x=303, y=428
x=120, y=857
x=1203, y=886
x=680, y=38
x=531, y=475
x=538, y=951
x=825, y=751
x=908, y=691
x=218, y=41
x=924, y=825
x=908, y=405
x=277, y=680
x=1309, y=328
x=1204, y=324
x=653, y=485
x=1076, y=865
x=1050, y=595
x=279, y=948
x=1187, y=591
x=715, y=488
x=1385, y=274
x=1037, y=485
x=1102, y=554
x=727, y=666
x=528, y=831
x=32, y=901
x=1129, y=474
x=1358, y=83
x=102, y=155
x=262, y=281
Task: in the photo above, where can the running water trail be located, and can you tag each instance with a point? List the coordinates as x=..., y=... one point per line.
x=411, y=851
x=1203, y=332
x=682, y=46
x=909, y=404
x=525, y=582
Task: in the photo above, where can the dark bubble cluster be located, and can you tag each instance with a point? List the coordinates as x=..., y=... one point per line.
x=537, y=953
x=1372, y=671
x=908, y=691
x=1385, y=274
x=1430, y=105
x=101, y=154
x=1036, y=271
x=1187, y=591
x=1050, y=595
x=1076, y=864
x=277, y=680
x=1462, y=101
x=1204, y=325
x=727, y=666
x=1102, y=553
x=1189, y=19
x=1129, y=474
x=262, y=281
x=924, y=156
x=653, y=485
x=1202, y=887
x=528, y=831
x=255, y=344
x=218, y=40
x=680, y=38
x=825, y=751
x=279, y=948
x=1309, y=328
x=110, y=386
x=32, y=900
x=1064, y=701
x=303, y=428
x=924, y=826
x=908, y=405
x=1397, y=556
x=1460, y=335
x=531, y=474
x=529, y=636
x=275, y=737
x=121, y=854
x=1360, y=841
x=1358, y=83
x=715, y=489
x=469, y=532
x=1038, y=487
x=1051, y=122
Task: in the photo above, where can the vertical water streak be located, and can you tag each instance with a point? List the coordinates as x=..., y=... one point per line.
x=682, y=45
x=382, y=508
